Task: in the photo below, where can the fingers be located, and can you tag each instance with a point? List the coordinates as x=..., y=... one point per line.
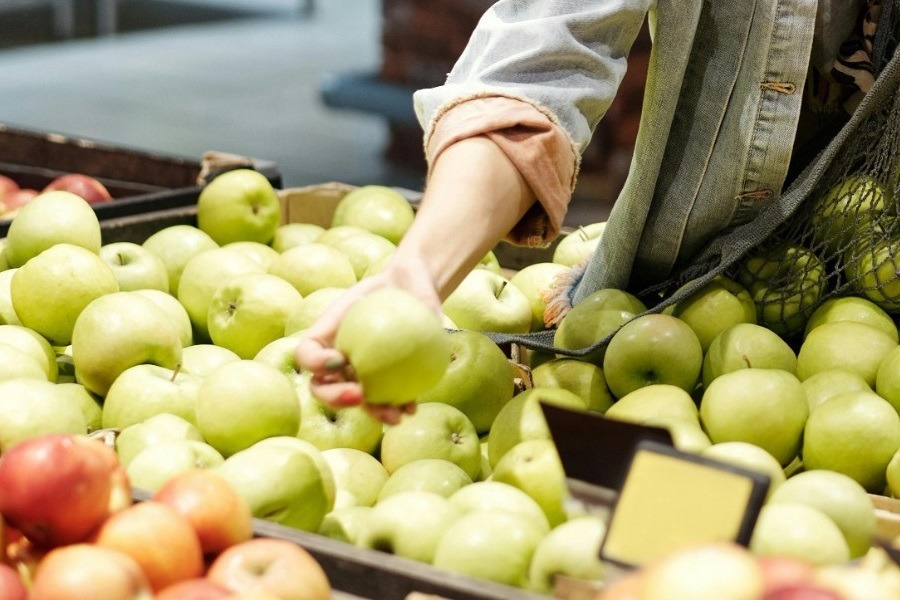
x=341, y=394
x=313, y=355
x=390, y=414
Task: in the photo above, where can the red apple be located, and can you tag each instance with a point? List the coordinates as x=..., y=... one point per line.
x=782, y=571
x=8, y=186
x=162, y=542
x=81, y=185
x=801, y=591
x=25, y=557
x=11, y=586
x=219, y=514
x=278, y=567
x=199, y=588
x=56, y=489
x=89, y=571
x=15, y=200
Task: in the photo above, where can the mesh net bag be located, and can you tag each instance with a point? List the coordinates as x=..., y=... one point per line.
x=834, y=231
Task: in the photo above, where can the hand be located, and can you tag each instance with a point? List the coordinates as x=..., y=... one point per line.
x=333, y=381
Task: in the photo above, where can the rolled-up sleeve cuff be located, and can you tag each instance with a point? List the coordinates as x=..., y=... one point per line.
x=530, y=136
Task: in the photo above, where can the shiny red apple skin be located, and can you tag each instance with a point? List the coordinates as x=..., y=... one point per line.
x=19, y=198
x=57, y=489
x=7, y=187
x=219, y=514
x=88, y=571
x=11, y=586
x=81, y=185
x=277, y=567
x=782, y=571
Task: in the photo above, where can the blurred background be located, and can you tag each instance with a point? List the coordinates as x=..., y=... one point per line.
x=320, y=87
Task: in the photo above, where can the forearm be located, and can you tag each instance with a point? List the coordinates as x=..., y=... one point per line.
x=474, y=196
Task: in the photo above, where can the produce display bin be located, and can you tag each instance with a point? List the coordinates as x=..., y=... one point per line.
x=139, y=181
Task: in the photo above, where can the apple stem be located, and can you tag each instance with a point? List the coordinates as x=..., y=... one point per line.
x=502, y=287
x=747, y=361
x=175, y=372
x=582, y=233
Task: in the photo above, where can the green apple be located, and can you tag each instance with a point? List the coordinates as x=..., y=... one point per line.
x=280, y=354
x=855, y=433
x=747, y=345
x=827, y=384
x=795, y=530
x=362, y=249
x=751, y=457
x=536, y=281
x=155, y=465
x=345, y=523
x=16, y=364
x=655, y=403
x=280, y=483
x=852, y=308
x=596, y=318
x=478, y=380
x=239, y=205
x=687, y=436
x=892, y=474
x=786, y=282
x=339, y=232
x=329, y=487
x=378, y=265
x=845, y=345
x=887, y=378
x=203, y=275
x=203, y=359
x=135, y=267
x=91, y=406
x=490, y=262
x=118, y=331
x=295, y=234
x=434, y=475
x=243, y=402
x=33, y=344
x=492, y=496
x=143, y=391
x=496, y=546
x=571, y=549
x=765, y=407
x=311, y=308
x=326, y=427
x=534, y=467
x=314, y=266
x=34, y=407
x=249, y=311
x=582, y=378
x=840, y=211
x=653, y=348
x=485, y=301
x=176, y=312
x=523, y=419
x=49, y=219
x=842, y=500
x=8, y=314
x=49, y=293
x=876, y=274
x=395, y=344
x=434, y=431
x=410, y=524
x=576, y=247
x=162, y=427
x=175, y=245
x=382, y=210
x=718, y=305
x=262, y=254
x=358, y=477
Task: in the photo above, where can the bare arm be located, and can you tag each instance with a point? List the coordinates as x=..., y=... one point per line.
x=474, y=196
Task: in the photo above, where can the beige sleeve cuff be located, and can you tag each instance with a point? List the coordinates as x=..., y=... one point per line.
x=537, y=145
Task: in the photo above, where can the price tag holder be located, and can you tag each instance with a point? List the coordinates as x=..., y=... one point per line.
x=671, y=499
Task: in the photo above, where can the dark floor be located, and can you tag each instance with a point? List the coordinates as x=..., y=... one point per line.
x=183, y=77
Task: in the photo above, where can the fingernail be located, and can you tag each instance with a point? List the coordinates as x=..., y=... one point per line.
x=348, y=397
x=335, y=363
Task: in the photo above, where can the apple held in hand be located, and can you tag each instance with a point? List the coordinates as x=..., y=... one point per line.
x=395, y=344
x=83, y=186
x=485, y=301
x=56, y=489
x=382, y=210
x=239, y=205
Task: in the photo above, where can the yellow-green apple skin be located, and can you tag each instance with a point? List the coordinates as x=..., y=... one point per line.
x=435, y=475
x=48, y=219
x=135, y=267
x=478, y=381
x=571, y=549
x=34, y=407
x=486, y=301
x=33, y=344
x=748, y=456
x=887, y=378
x=118, y=331
x=747, y=345
x=656, y=402
x=537, y=281
x=876, y=274
x=652, y=349
x=263, y=254
x=91, y=406
x=490, y=496
x=892, y=475
x=244, y=402
x=842, y=500
x=175, y=245
x=765, y=407
x=289, y=235
x=155, y=465
x=239, y=205
x=311, y=308
x=176, y=312
x=845, y=345
x=595, y=318
x=154, y=430
x=849, y=204
x=358, y=476
x=855, y=433
x=576, y=247
x=580, y=377
x=715, y=307
x=329, y=487
x=797, y=530
x=53, y=288
x=143, y=391
x=856, y=309
x=345, y=523
x=534, y=467
x=821, y=386
x=363, y=250
x=203, y=359
x=16, y=364
x=409, y=524
x=314, y=266
x=326, y=427
x=434, y=431
x=379, y=209
x=396, y=345
x=8, y=314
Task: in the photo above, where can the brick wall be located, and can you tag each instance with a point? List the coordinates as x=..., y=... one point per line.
x=421, y=40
